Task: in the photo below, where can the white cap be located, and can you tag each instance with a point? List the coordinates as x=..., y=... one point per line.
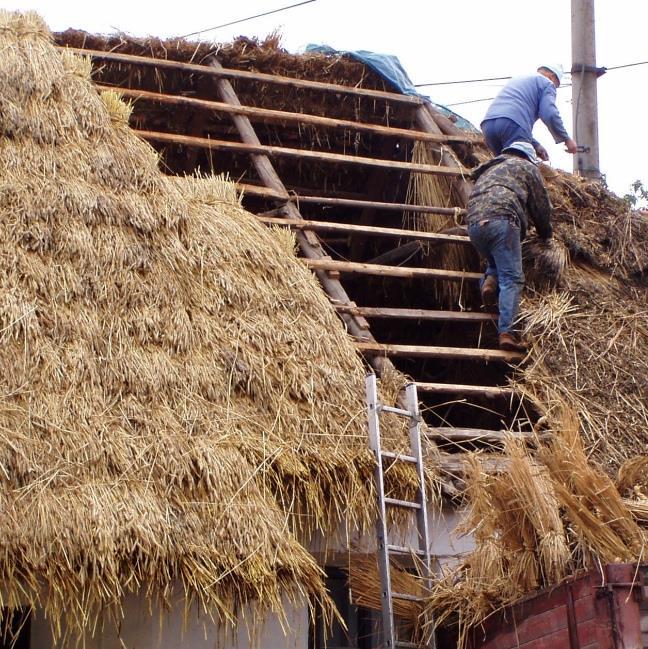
x=525, y=148
x=556, y=68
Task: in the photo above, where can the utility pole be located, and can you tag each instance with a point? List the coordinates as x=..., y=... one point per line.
x=584, y=78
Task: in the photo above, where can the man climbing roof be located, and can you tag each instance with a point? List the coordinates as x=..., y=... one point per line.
x=508, y=193
x=517, y=107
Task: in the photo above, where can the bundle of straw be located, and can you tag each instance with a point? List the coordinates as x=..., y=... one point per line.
x=364, y=581
x=434, y=190
x=544, y=261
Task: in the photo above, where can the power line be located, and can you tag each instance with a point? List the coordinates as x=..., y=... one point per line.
x=472, y=101
x=242, y=20
x=448, y=83
x=627, y=65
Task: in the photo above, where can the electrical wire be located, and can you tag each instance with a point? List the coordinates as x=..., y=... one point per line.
x=242, y=20
x=627, y=65
x=447, y=83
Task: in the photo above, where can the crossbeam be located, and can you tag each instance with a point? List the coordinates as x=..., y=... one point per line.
x=456, y=353
x=228, y=73
x=352, y=228
x=390, y=271
x=282, y=116
x=304, y=154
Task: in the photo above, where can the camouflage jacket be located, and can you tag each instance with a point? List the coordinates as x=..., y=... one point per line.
x=510, y=186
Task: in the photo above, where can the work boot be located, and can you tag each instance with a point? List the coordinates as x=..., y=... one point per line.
x=511, y=342
x=489, y=292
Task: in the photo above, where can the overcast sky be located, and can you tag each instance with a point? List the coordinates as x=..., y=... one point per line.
x=435, y=41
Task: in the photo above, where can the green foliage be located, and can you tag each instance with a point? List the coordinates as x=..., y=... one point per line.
x=639, y=197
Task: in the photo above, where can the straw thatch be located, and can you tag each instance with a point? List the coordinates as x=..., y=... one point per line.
x=557, y=511
x=179, y=399
x=545, y=518
x=588, y=326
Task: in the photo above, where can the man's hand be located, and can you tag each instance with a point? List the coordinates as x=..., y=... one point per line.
x=541, y=151
x=571, y=146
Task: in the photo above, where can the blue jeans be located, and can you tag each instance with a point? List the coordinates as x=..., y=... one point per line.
x=502, y=132
x=498, y=241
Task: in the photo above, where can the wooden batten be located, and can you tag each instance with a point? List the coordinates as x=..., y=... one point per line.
x=418, y=314
x=282, y=116
x=349, y=202
x=420, y=351
x=304, y=154
x=370, y=230
x=391, y=271
x=226, y=73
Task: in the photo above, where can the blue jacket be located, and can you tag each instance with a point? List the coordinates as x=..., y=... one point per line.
x=524, y=100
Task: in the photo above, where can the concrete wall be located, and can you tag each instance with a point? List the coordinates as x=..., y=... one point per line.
x=141, y=630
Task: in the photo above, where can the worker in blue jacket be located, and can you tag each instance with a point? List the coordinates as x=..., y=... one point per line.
x=517, y=107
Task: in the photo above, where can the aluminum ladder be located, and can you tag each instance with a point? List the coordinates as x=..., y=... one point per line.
x=387, y=552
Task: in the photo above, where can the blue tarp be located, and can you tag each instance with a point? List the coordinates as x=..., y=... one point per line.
x=389, y=68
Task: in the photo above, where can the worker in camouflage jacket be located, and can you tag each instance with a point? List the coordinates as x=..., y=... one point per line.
x=508, y=194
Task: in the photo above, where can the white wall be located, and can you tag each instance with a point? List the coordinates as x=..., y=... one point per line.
x=141, y=630
x=444, y=542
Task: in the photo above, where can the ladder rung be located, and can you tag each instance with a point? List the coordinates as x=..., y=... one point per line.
x=402, y=503
x=407, y=597
x=399, y=456
x=406, y=645
x=401, y=549
x=396, y=411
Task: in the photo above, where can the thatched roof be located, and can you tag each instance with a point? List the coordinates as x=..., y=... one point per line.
x=590, y=331
x=178, y=395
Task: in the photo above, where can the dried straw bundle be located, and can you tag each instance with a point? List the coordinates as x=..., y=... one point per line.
x=430, y=189
x=535, y=524
x=633, y=477
x=365, y=588
x=179, y=399
x=591, y=340
x=544, y=262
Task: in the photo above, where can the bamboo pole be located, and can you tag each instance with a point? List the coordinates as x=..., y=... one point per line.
x=226, y=73
x=418, y=314
x=349, y=202
x=321, y=156
x=471, y=390
x=281, y=116
x=453, y=353
x=374, y=230
x=390, y=271
x=439, y=434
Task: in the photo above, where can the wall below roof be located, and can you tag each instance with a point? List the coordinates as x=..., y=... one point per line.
x=141, y=630
x=448, y=547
